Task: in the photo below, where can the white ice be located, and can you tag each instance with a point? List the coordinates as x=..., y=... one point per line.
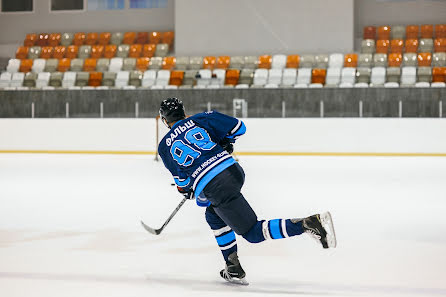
x=69, y=226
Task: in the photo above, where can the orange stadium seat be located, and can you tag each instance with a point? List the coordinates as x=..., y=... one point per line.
x=292, y=61
x=71, y=52
x=110, y=51
x=209, y=62
x=383, y=33
x=424, y=59
x=64, y=65
x=104, y=38
x=95, y=79
x=265, y=61
x=26, y=65
x=369, y=32
x=79, y=38
x=439, y=74
x=135, y=50
x=176, y=77
x=59, y=52
x=412, y=31
x=148, y=50
x=30, y=40
x=223, y=62
x=396, y=46
x=411, y=46
x=90, y=64
x=129, y=38
x=47, y=52
x=142, y=63
x=318, y=76
x=382, y=46
x=154, y=37
x=351, y=60
x=395, y=59
x=142, y=37
x=167, y=37
x=440, y=45
x=42, y=39
x=22, y=52
x=169, y=63
x=54, y=39
x=427, y=31
x=97, y=51
x=232, y=77
x=440, y=31
x=92, y=38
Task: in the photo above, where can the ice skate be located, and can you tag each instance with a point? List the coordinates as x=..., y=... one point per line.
x=320, y=227
x=233, y=271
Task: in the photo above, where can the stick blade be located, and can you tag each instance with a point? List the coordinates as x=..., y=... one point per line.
x=151, y=230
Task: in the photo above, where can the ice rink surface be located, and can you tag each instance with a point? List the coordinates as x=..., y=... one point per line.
x=69, y=226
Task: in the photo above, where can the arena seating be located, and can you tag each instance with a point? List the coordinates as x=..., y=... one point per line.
x=390, y=56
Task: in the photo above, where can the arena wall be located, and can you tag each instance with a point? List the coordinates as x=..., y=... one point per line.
x=350, y=137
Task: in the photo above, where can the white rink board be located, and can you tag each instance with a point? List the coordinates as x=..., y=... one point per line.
x=263, y=135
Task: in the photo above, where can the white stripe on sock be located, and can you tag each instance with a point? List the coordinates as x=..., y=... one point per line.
x=265, y=230
x=283, y=225
x=221, y=230
x=229, y=246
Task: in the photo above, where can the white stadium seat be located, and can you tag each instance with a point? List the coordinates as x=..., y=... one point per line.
x=69, y=79
x=17, y=79
x=43, y=79
x=149, y=78
x=361, y=85
x=38, y=65
x=333, y=77
x=378, y=77
x=162, y=78
x=289, y=76
x=260, y=77
x=271, y=86
x=275, y=76
x=348, y=75
x=13, y=65
x=278, y=62
x=115, y=64
x=218, y=77
x=336, y=61
x=408, y=76
x=205, y=76
x=391, y=85
x=122, y=79
x=303, y=76
x=422, y=84
x=5, y=79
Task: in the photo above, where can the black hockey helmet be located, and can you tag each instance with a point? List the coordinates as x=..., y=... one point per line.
x=171, y=110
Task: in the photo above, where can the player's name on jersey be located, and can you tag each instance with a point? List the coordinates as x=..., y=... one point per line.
x=178, y=130
x=208, y=162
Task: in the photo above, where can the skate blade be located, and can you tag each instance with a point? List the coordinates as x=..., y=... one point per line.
x=235, y=281
x=327, y=222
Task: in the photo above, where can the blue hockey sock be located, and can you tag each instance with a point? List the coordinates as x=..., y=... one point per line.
x=226, y=241
x=273, y=229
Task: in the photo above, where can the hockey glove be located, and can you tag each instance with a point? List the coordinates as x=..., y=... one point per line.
x=186, y=193
x=227, y=145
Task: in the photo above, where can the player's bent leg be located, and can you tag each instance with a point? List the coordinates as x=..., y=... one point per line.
x=273, y=229
x=223, y=233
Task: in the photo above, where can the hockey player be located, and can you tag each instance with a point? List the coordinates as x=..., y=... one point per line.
x=197, y=151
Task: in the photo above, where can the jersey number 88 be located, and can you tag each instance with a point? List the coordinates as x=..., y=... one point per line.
x=185, y=154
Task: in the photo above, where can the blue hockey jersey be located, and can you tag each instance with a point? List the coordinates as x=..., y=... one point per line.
x=191, y=150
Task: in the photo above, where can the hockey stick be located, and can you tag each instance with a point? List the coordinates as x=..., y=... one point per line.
x=158, y=231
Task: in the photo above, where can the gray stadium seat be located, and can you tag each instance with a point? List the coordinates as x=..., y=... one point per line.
x=189, y=77
x=321, y=61
x=182, y=63
x=135, y=78
x=155, y=63
x=439, y=60
x=398, y=32
x=195, y=63
x=66, y=39
x=246, y=77
x=116, y=38
x=123, y=51
x=161, y=50
x=393, y=74
x=102, y=64
x=34, y=52
x=410, y=59
x=77, y=65
x=30, y=80
x=129, y=64
x=250, y=62
x=51, y=65
x=237, y=62
x=363, y=75
x=84, y=52
x=424, y=74
x=82, y=79
x=380, y=60
x=426, y=45
x=56, y=79
x=306, y=61
x=368, y=46
x=109, y=79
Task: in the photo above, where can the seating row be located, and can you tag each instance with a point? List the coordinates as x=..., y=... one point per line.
x=404, y=32
x=303, y=77
x=104, y=38
x=385, y=46
x=185, y=63
x=95, y=51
